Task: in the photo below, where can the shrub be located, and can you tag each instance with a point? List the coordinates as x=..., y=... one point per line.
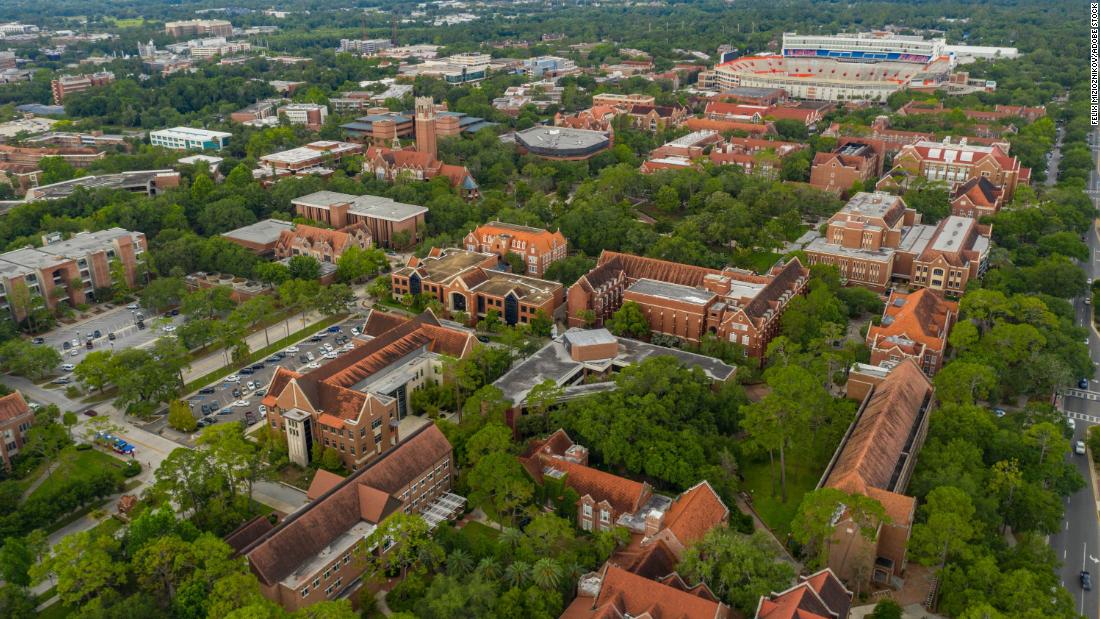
x=132, y=469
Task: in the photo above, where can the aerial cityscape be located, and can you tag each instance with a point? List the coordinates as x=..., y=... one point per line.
x=577, y=309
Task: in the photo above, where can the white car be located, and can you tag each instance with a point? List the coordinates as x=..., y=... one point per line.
x=291, y=350
x=1079, y=448
x=347, y=347
x=329, y=355
x=327, y=346
x=310, y=356
x=242, y=403
x=67, y=367
x=313, y=366
x=168, y=328
x=262, y=409
x=1072, y=423
x=355, y=331
x=132, y=306
x=75, y=352
x=232, y=378
x=252, y=385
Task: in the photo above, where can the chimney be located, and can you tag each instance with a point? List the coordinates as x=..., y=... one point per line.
x=654, y=521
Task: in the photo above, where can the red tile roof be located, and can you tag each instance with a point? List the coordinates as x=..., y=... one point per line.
x=323, y=481
x=693, y=513
x=625, y=594
x=13, y=406
x=923, y=316
x=817, y=596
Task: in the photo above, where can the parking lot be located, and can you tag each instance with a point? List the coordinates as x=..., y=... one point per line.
x=238, y=397
x=120, y=321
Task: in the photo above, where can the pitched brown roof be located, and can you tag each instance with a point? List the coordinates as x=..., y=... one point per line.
x=13, y=406
x=277, y=554
x=378, y=322
x=244, y=535
x=323, y=481
x=625, y=594
x=879, y=437
x=624, y=495
x=695, y=512
x=922, y=316
x=654, y=560
x=980, y=190
x=768, y=297
x=639, y=267
x=818, y=596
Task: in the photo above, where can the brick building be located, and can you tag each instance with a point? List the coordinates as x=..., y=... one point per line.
x=956, y=163
x=875, y=239
x=876, y=459
x=389, y=164
x=15, y=419
x=384, y=218
x=915, y=326
x=820, y=595
x=66, y=85
x=322, y=244
x=977, y=198
x=848, y=164
x=467, y=281
x=259, y=110
x=688, y=301
x=656, y=117
x=615, y=592
x=76, y=267
x=199, y=28
x=319, y=552
x=755, y=156
x=538, y=247
x=260, y=237
x=355, y=402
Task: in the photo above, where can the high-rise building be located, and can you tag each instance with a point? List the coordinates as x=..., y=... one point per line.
x=425, y=125
x=199, y=28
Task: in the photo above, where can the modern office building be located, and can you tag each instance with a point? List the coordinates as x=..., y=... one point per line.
x=67, y=85
x=384, y=218
x=189, y=138
x=69, y=270
x=198, y=28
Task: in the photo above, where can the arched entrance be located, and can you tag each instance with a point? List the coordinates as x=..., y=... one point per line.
x=511, y=309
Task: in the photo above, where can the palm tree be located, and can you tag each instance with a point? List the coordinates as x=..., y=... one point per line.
x=459, y=563
x=546, y=573
x=510, y=538
x=488, y=569
x=516, y=573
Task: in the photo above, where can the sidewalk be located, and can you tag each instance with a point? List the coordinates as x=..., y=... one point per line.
x=215, y=360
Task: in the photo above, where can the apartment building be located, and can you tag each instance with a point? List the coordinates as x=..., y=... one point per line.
x=257, y=111
x=538, y=247
x=189, y=138
x=385, y=219
x=355, y=403
x=16, y=417
x=66, y=85
x=956, y=163
x=312, y=115
x=915, y=325
x=848, y=164
x=469, y=282
x=198, y=28
x=876, y=459
x=75, y=267
x=689, y=302
x=322, y=244
x=319, y=552
x=203, y=49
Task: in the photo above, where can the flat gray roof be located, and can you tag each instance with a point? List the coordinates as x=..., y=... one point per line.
x=377, y=207
x=675, y=292
x=871, y=204
x=262, y=232
x=821, y=246
x=553, y=362
x=561, y=138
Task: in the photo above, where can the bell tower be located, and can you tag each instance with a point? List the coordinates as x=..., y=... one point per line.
x=425, y=126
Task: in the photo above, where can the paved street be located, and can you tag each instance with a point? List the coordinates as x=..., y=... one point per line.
x=1078, y=543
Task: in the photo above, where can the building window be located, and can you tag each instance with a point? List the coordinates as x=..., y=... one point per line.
x=605, y=516
x=587, y=511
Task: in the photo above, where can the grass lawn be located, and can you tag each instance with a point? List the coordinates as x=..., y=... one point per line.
x=55, y=611
x=478, y=533
x=801, y=479
x=758, y=261
x=73, y=462
x=109, y=526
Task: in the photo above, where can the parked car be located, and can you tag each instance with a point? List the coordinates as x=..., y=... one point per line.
x=310, y=356
x=257, y=366
x=292, y=349
x=98, y=333
x=202, y=423
x=75, y=352
x=316, y=338
x=88, y=344
x=355, y=330
x=64, y=380
x=168, y=328
x=38, y=340
x=236, y=393
x=333, y=329
x=68, y=367
x=1083, y=383
x=175, y=312
x=272, y=359
x=260, y=392
x=262, y=409
x=483, y=339
x=241, y=403
x=90, y=413
x=207, y=390
x=246, y=371
x=303, y=358
x=999, y=412
x=329, y=355
x=313, y=365
x=228, y=410
x=1079, y=448
x=232, y=378
x=1086, y=580
x=111, y=336
x=141, y=325
x=66, y=345
x=132, y=306
x=1072, y=423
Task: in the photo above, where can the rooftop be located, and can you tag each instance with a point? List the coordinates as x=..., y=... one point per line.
x=376, y=207
x=674, y=292
x=561, y=138
x=262, y=232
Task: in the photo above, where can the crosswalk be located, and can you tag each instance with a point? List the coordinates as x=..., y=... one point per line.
x=1082, y=394
x=1083, y=417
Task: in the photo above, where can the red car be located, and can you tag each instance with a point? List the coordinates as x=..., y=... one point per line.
x=90, y=413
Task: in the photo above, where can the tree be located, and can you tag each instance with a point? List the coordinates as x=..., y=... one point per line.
x=546, y=573
x=492, y=438
x=180, y=416
x=304, y=267
x=541, y=324
x=542, y=398
x=23, y=358
x=629, y=321
x=738, y=568
x=355, y=263
x=83, y=565
x=406, y=543
x=330, y=459
x=334, y=299
x=949, y=514
x=814, y=523
x=888, y=609
x=96, y=369
x=963, y=382
x=162, y=293
x=499, y=484
x=516, y=263
x=15, y=562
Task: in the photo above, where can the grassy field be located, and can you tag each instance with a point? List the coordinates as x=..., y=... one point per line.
x=478, y=533
x=55, y=611
x=73, y=462
x=801, y=479
x=130, y=22
x=759, y=261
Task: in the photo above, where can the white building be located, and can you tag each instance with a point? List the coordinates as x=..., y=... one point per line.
x=864, y=46
x=966, y=54
x=364, y=46
x=187, y=138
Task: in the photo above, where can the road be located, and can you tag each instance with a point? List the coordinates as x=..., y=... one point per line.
x=1078, y=543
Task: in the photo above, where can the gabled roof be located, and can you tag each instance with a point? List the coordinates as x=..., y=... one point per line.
x=624, y=495
x=12, y=406
x=923, y=316
x=323, y=481
x=817, y=596
x=304, y=533
x=695, y=512
x=980, y=191
x=624, y=594
x=880, y=434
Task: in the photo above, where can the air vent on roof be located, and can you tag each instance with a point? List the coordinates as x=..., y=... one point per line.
x=899, y=302
x=887, y=321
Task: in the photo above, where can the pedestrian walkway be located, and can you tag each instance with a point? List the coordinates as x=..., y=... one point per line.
x=256, y=341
